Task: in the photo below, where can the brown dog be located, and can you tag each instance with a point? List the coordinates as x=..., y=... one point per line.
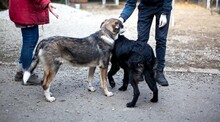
x=91, y=51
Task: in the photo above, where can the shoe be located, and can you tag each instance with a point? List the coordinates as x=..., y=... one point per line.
x=160, y=78
x=33, y=80
x=19, y=76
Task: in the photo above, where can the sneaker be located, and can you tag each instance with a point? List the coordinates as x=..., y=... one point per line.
x=19, y=76
x=33, y=80
x=160, y=78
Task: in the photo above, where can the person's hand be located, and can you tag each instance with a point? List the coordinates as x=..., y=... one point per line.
x=51, y=9
x=122, y=21
x=163, y=20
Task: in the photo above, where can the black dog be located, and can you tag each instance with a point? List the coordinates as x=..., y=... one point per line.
x=136, y=59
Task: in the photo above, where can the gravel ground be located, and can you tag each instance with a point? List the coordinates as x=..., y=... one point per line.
x=193, y=63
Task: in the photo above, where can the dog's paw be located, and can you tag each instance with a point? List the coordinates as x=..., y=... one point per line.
x=112, y=84
x=130, y=104
x=48, y=96
x=154, y=100
x=92, y=89
x=51, y=94
x=109, y=94
x=50, y=99
x=123, y=88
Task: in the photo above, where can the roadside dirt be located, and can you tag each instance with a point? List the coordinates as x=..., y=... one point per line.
x=193, y=42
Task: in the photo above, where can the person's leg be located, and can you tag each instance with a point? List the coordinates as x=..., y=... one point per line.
x=161, y=39
x=30, y=37
x=29, y=40
x=145, y=18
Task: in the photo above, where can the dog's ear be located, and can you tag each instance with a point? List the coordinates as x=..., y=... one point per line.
x=103, y=23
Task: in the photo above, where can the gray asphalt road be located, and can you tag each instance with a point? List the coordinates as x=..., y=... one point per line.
x=190, y=97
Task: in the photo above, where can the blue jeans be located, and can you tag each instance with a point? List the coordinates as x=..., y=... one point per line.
x=145, y=19
x=29, y=40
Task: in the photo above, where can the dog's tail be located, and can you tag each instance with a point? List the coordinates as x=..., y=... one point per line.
x=34, y=63
x=27, y=73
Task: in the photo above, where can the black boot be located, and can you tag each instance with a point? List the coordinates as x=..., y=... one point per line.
x=160, y=78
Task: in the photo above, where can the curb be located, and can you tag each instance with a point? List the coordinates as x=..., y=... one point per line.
x=192, y=70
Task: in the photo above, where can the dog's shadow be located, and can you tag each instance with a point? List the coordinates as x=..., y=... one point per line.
x=73, y=81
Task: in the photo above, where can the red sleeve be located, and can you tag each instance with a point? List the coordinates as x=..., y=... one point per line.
x=42, y=3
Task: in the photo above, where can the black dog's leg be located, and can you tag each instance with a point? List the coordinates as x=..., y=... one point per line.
x=136, y=91
x=149, y=78
x=136, y=94
x=125, y=81
x=114, y=69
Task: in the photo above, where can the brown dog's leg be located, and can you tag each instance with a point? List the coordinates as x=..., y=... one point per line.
x=104, y=85
x=48, y=77
x=90, y=78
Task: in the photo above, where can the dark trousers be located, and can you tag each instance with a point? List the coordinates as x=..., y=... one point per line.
x=29, y=40
x=145, y=19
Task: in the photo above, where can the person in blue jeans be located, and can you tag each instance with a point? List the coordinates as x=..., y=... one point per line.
x=147, y=10
x=28, y=16
x=30, y=36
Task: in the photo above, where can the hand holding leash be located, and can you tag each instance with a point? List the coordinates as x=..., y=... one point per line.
x=51, y=9
x=163, y=20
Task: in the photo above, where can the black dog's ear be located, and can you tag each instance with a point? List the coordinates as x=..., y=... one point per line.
x=103, y=23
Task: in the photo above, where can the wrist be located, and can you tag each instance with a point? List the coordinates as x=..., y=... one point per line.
x=121, y=19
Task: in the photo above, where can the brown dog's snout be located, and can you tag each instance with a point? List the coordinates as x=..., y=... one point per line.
x=119, y=28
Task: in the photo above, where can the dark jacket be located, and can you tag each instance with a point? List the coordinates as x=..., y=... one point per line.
x=131, y=5
x=151, y=2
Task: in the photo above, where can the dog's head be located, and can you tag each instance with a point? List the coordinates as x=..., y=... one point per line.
x=113, y=27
